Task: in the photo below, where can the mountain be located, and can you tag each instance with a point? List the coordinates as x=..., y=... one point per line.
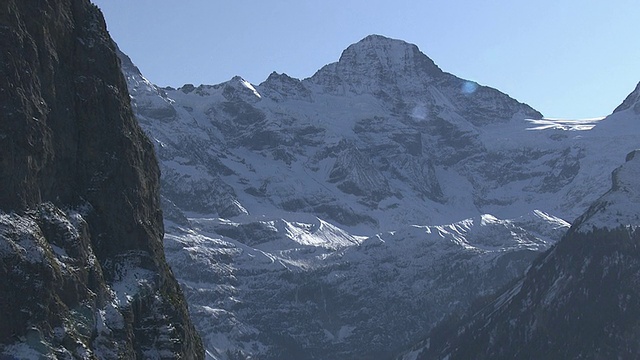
x=580, y=300
x=364, y=158
x=380, y=138
x=83, y=272
x=308, y=290
x=311, y=218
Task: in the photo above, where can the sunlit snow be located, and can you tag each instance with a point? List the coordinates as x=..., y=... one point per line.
x=564, y=124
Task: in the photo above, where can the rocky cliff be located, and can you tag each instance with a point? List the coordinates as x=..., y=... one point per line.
x=379, y=138
x=83, y=273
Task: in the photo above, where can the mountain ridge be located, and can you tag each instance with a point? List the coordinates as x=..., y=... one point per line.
x=308, y=193
x=578, y=300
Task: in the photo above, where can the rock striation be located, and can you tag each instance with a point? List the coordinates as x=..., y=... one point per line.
x=83, y=273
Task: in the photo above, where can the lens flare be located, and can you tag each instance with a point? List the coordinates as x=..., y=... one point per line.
x=419, y=112
x=469, y=87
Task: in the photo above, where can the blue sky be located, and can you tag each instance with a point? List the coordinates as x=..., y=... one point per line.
x=566, y=58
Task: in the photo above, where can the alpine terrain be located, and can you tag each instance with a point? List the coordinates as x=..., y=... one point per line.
x=82, y=267
x=580, y=300
x=343, y=215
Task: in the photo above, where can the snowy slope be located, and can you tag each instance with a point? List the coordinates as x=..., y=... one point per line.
x=620, y=206
x=380, y=138
x=272, y=288
x=580, y=300
x=303, y=210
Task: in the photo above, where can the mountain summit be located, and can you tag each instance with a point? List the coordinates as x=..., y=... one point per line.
x=380, y=125
x=382, y=58
x=318, y=197
x=397, y=73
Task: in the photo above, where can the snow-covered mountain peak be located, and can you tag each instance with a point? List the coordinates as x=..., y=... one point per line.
x=377, y=61
x=280, y=87
x=240, y=89
x=319, y=196
x=386, y=54
x=275, y=78
x=408, y=83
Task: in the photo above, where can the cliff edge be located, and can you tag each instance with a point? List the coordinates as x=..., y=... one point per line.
x=82, y=268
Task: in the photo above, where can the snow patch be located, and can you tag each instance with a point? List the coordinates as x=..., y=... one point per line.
x=564, y=124
x=248, y=85
x=130, y=280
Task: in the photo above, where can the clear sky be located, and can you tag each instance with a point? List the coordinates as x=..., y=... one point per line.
x=565, y=58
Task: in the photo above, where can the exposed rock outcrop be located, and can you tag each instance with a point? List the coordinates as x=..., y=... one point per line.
x=82, y=272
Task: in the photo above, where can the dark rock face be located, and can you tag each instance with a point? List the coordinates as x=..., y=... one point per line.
x=579, y=301
x=79, y=197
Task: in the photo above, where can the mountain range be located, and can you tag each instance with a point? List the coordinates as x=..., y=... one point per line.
x=381, y=208
x=344, y=215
